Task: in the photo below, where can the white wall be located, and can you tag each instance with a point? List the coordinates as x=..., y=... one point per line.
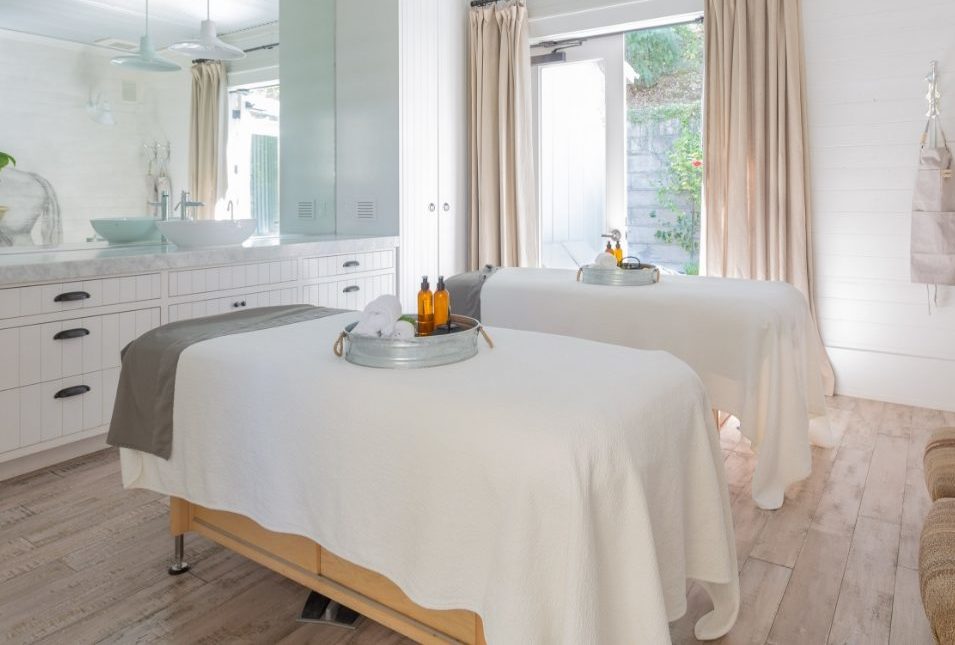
x=866, y=63
x=307, y=141
x=562, y=18
x=96, y=171
x=366, y=98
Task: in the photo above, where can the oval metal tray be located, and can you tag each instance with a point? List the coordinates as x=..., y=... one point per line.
x=591, y=274
x=422, y=351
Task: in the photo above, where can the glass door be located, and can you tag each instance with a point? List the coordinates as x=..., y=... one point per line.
x=580, y=150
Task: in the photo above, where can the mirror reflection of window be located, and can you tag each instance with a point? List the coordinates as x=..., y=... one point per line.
x=254, y=155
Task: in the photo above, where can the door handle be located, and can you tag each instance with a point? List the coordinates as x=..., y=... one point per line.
x=351, y=264
x=71, y=296
x=446, y=207
x=71, y=333
x=67, y=392
x=352, y=289
x=432, y=207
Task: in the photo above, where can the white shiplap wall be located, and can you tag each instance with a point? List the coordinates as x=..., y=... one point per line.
x=866, y=63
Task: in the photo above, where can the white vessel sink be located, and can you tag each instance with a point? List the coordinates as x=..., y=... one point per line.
x=125, y=230
x=207, y=232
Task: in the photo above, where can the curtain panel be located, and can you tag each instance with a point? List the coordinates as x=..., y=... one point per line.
x=756, y=146
x=208, y=136
x=503, y=219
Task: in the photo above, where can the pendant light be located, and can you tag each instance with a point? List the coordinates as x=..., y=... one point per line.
x=146, y=60
x=208, y=46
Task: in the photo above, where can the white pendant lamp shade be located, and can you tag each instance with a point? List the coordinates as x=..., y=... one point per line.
x=208, y=46
x=146, y=60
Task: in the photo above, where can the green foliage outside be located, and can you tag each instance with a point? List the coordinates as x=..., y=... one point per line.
x=655, y=53
x=6, y=160
x=669, y=61
x=682, y=189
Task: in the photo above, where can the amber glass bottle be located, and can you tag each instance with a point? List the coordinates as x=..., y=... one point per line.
x=618, y=253
x=442, y=304
x=425, y=309
x=609, y=249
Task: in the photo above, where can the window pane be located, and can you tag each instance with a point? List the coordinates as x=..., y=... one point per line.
x=254, y=156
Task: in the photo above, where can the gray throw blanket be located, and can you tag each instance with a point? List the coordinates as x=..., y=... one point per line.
x=142, y=414
x=465, y=291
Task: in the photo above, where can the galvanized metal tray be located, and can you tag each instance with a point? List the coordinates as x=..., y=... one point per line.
x=441, y=348
x=633, y=275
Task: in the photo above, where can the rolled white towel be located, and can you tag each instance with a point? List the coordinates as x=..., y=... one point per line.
x=379, y=317
x=403, y=330
x=605, y=261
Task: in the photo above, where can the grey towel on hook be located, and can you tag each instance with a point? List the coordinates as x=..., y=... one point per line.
x=465, y=291
x=933, y=217
x=143, y=412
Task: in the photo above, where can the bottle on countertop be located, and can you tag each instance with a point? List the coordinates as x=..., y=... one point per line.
x=618, y=253
x=609, y=248
x=425, y=309
x=442, y=304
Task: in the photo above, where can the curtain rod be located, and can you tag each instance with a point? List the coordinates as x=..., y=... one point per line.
x=260, y=47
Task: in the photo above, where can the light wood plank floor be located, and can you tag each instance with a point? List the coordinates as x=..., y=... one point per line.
x=82, y=561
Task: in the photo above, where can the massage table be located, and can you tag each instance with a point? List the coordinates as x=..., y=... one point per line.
x=531, y=494
x=753, y=344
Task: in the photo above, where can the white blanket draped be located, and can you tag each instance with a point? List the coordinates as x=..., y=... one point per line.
x=562, y=489
x=752, y=343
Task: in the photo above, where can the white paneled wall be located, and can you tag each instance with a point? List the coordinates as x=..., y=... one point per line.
x=96, y=170
x=866, y=63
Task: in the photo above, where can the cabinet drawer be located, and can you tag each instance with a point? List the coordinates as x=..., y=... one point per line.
x=59, y=408
x=51, y=351
x=69, y=296
x=240, y=276
x=352, y=293
x=335, y=265
x=221, y=305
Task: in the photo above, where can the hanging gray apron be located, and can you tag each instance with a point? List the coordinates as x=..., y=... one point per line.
x=933, y=215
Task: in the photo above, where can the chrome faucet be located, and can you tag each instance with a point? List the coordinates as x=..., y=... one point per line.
x=162, y=205
x=184, y=205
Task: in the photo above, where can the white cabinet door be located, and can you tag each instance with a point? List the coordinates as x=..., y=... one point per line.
x=452, y=82
x=9, y=420
x=418, y=139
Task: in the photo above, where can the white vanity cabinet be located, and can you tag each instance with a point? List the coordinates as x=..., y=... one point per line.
x=60, y=356
x=349, y=281
x=60, y=340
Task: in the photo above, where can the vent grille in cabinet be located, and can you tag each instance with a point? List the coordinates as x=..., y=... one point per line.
x=306, y=210
x=366, y=210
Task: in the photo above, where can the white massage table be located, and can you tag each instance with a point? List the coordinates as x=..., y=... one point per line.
x=752, y=343
x=502, y=500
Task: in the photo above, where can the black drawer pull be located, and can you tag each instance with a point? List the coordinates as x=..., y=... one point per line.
x=72, y=296
x=351, y=289
x=66, y=334
x=236, y=305
x=67, y=392
x=351, y=264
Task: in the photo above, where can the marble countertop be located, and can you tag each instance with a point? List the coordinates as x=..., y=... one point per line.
x=79, y=261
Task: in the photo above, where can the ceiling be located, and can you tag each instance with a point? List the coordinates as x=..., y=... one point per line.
x=87, y=21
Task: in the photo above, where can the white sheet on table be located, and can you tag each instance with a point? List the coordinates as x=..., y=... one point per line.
x=752, y=343
x=562, y=500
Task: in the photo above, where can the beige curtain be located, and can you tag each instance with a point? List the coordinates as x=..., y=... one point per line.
x=757, y=190
x=208, y=125
x=504, y=229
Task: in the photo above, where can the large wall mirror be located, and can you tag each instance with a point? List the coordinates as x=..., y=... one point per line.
x=85, y=138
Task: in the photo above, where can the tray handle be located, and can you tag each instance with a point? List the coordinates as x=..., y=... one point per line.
x=339, y=347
